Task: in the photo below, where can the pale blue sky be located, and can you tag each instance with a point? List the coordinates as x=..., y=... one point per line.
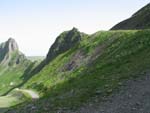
x=35, y=24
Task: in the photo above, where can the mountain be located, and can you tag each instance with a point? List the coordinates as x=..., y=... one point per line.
x=64, y=42
x=13, y=64
x=139, y=20
x=10, y=54
x=89, y=72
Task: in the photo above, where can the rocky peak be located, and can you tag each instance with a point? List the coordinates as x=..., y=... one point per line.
x=9, y=53
x=12, y=45
x=74, y=29
x=64, y=42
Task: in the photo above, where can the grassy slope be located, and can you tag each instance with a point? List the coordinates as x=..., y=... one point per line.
x=11, y=76
x=12, y=68
x=9, y=79
x=109, y=58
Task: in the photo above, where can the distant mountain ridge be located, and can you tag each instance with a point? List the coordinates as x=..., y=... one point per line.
x=139, y=20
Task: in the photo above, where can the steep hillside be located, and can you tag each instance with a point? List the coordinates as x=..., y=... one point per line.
x=64, y=42
x=93, y=68
x=12, y=65
x=139, y=20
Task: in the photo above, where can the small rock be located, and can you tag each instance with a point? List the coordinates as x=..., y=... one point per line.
x=134, y=109
x=33, y=107
x=138, y=104
x=98, y=92
x=106, y=85
x=109, y=91
x=130, y=96
x=119, y=83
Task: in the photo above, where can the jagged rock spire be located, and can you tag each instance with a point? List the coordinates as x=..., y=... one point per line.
x=12, y=45
x=9, y=53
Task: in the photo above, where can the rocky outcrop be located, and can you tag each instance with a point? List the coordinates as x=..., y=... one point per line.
x=139, y=20
x=64, y=42
x=10, y=54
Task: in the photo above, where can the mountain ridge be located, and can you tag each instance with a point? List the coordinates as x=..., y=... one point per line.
x=139, y=20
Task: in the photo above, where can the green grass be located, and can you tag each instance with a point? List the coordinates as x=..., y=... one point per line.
x=9, y=79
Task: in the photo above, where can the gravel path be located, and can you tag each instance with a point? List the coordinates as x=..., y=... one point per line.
x=33, y=94
x=134, y=97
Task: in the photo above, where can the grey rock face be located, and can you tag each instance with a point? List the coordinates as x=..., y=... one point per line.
x=11, y=45
x=9, y=53
x=64, y=42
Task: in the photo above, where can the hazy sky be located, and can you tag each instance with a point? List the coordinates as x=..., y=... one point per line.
x=35, y=24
